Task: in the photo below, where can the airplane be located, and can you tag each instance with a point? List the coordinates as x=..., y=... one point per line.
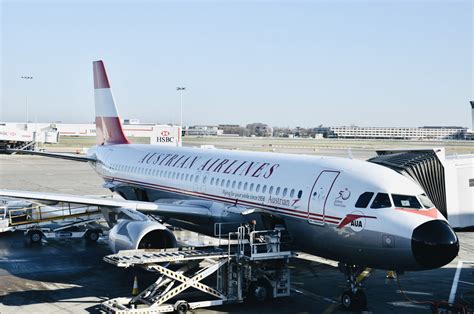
x=355, y=212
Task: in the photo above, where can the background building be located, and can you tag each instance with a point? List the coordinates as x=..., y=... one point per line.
x=401, y=133
x=202, y=130
x=156, y=133
x=232, y=129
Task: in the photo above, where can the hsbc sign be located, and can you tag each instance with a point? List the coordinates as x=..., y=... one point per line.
x=167, y=135
x=165, y=139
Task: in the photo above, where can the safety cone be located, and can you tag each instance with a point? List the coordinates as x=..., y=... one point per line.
x=391, y=274
x=135, y=286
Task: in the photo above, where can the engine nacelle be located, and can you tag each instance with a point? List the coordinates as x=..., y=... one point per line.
x=131, y=235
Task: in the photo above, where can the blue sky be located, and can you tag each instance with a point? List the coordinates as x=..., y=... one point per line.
x=286, y=63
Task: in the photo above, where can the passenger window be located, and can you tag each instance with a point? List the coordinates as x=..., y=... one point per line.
x=187, y=177
x=191, y=178
x=264, y=189
x=251, y=187
x=240, y=185
x=245, y=186
x=217, y=181
x=270, y=191
x=277, y=191
x=292, y=193
x=227, y=183
x=257, y=189
x=300, y=193
x=381, y=201
x=233, y=184
x=212, y=181
x=406, y=201
x=222, y=182
x=285, y=190
x=364, y=200
x=182, y=176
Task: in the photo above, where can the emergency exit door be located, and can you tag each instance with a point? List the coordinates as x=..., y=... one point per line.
x=319, y=196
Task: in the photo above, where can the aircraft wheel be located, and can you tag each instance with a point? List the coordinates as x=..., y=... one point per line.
x=348, y=300
x=92, y=236
x=259, y=291
x=354, y=301
x=35, y=236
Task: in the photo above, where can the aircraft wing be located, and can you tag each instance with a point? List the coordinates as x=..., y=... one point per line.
x=171, y=210
x=77, y=199
x=73, y=157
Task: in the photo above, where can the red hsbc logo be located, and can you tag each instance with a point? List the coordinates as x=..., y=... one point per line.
x=165, y=133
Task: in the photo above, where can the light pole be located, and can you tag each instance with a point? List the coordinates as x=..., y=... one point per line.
x=181, y=90
x=27, y=78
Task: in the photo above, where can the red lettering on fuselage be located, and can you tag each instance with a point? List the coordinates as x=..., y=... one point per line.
x=248, y=168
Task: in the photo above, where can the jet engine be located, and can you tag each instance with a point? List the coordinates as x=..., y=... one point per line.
x=142, y=234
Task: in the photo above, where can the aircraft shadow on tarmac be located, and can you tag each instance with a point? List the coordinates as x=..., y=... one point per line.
x=69, y=273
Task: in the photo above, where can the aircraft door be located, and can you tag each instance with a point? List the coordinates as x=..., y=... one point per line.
x=318, y=196
x=198, y=184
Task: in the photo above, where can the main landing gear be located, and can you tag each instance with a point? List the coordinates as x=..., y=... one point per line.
x=354, y=298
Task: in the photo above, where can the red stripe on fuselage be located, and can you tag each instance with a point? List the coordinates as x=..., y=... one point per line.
x=350, y=218
x=282, y=210
x=432, y=212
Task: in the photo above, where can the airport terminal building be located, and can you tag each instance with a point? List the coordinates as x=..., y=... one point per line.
x=396, y=133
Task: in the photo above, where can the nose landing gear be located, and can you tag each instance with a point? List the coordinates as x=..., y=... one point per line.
x=354, y=298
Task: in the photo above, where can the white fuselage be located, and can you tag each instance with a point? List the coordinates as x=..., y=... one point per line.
x=315, y=196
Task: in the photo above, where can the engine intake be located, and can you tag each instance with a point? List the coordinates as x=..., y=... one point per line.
x=131, y=235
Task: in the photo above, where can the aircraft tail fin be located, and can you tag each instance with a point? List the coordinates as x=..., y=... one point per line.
x=107, y=121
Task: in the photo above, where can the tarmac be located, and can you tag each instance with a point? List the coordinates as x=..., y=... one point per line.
x=69, y=276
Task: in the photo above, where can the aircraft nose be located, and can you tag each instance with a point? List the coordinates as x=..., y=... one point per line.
x=434, y=244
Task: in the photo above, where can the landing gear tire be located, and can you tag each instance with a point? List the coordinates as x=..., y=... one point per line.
x=354, y=301
x=259, y=291
x=92, y=236
x=35, y=237
x=181, y=307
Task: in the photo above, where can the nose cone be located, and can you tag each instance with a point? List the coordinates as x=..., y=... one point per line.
x=434, y=244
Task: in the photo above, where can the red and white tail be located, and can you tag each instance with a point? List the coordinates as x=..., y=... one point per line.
x=107, y=122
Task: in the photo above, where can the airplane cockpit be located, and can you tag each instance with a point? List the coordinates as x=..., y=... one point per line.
x=386, y=200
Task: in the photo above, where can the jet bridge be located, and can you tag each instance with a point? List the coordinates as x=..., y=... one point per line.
x=250, y=266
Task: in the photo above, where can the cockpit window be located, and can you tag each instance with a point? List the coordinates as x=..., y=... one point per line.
x=425, y=201
x=406, y=201
x=364, y=199
x=381, y=201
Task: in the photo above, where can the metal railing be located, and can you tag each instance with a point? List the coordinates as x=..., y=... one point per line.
x=257, y=244
x=43, y=213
